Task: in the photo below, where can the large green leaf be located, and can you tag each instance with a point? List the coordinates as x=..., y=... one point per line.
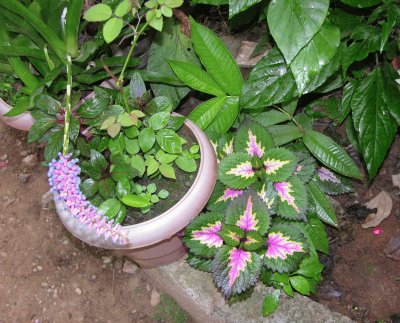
x=361, y=3
x=216, y=58
x=317, y=234
x=373, y=122
x=321, y=205
x=269, y=83
x=196, y=78
x=170, y=44
x=237, y=6
x=226, y=116
x=330, y=154
x=205, y=113
x=392, y=91
x=293, y=23
x=315, y=55
x=282, y=134
x=387, y=27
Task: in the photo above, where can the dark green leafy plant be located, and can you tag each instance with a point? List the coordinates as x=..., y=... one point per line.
x=264, y=220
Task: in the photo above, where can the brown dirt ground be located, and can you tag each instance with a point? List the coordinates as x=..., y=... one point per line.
x=46, y=275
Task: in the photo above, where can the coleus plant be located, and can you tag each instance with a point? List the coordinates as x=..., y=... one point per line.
x=264, y=220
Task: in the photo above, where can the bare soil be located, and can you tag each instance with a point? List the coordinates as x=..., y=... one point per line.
x=46, y=275
x=360, y=280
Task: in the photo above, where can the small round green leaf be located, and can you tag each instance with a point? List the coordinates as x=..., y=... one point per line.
x=271, y=302
x=99, y=12
x=123, y=8
x=186, y=164
x=163, y=194
x=112, y=28
x=110, y=208
x=151, y=188
x=167, y=171
x=300, y=284
x=135, y=201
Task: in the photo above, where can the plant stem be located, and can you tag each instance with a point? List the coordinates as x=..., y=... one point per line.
x=67, y=118
x=289, y=116
x=133, y=44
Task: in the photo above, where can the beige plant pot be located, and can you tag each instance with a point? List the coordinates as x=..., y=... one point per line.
x=23, y=121
x=157, y=242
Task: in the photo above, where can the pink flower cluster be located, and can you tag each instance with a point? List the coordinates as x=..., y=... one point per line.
x=64, y=180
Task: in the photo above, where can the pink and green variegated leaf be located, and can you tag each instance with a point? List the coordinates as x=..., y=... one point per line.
x=305, y=168
x=232, y=235
x=223, y=144
x=236, y=171
x=269, y=196
x=332, y=183
x=253, y=241
x=253, y=139
x=286, y=246
x=202, y=234
x=230, y=194
x=279, y=164
x=248, y=213
x=292, y=196
x=235, y=270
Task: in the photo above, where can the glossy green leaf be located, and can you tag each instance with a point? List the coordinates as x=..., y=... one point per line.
x=320, y=205
x=97, y=160
x=186, y=164
x=132, y=132
x=89, y=187
x=315, y=55
x=330, y=154
x=137, y=162
x=270, y=82
x=121, y=171
x=123, y=187
x=226, y=116
x=112, y=28
x=373, y=122
x=135, y=201
x=293, y=23
x=238, y=6
x=125, y=120
x=283, y=134
x=270, y=302
x=169, y=141
x=110, y=208
x=152, y=167
x=106, y=188
x=196, y=78
x=39, y=128
x=54, y=145
x=47, y=104
x=93, y=107
x=387, y=27
x=132, y=146
x=361, y=3
x=205, y=113
x=147, y=139
x=317, y=234
x=98, y=12
x=300, y=284
x=216, y=58
x=159, y=120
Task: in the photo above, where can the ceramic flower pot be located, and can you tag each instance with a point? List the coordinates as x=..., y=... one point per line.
x=157, y=242
x=23, y=121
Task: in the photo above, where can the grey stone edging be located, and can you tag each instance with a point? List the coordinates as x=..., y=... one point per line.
x=196, y=293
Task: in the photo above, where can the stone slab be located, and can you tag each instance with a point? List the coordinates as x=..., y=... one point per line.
x=196, y=293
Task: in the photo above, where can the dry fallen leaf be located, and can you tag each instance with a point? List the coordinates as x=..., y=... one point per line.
x=392, y=249
x=383, y=202
x=396, y=180
x=244, y=53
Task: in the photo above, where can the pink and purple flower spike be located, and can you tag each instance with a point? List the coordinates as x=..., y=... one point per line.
x=64, y=180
